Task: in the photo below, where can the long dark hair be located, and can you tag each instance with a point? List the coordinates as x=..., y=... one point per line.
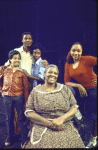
x=69, y=57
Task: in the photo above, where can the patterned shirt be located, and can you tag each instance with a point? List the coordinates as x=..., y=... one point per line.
x=37, y=71
x=15, y=83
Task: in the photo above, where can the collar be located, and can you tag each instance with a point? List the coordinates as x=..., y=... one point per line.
x=20, y=49
x=11, y=68
x=38, y=61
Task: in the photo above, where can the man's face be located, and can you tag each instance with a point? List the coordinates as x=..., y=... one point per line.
x=36, y=54
x=27, y=40
x=15, y=60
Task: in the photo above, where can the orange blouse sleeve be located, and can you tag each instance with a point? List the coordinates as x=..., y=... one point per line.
x=91, y=60
x=66, y=73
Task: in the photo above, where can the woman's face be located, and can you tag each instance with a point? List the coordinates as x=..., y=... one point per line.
x=76, y=52
x=51, y=75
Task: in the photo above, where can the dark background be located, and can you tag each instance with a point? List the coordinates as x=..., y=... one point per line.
x=55, y=24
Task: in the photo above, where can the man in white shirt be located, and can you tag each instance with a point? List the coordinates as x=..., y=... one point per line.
x=26, y=57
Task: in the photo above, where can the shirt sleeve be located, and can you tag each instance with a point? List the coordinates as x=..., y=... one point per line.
x=71, y=98
x=41, y=72
x=90, y=60
x=30, y=103
x=66, y=73
x=2, y=72
x=1, y=75
x=7, y=63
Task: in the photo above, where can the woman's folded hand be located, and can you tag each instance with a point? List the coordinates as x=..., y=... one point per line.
x=56, y=124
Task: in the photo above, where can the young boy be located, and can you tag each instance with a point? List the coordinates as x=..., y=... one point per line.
x=37, y=70
x=15, y=94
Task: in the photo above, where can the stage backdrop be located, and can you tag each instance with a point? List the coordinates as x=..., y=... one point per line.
x=55, y=24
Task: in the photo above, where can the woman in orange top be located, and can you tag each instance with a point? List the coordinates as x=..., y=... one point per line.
x=80, y=69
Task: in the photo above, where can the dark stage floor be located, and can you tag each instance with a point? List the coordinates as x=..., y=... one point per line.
x=17, y=139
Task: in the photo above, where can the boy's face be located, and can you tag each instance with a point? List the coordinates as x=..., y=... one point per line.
x=15, y=60
x=36, y=54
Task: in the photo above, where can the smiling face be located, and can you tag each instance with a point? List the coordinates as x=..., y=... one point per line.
x=76, y=52
x=51, y=76
x=36, y=54
x=15, y=60
x=27, y=40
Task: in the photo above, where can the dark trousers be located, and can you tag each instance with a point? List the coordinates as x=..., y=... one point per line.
x=88, y=108
x=9, y=104
x=87, y=105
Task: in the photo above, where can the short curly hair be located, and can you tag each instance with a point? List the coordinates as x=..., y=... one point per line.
x=51, y=66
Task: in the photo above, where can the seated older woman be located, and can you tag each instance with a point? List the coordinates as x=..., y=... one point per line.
x=51, y=107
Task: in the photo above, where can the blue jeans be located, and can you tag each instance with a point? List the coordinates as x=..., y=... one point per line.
x=9, y=104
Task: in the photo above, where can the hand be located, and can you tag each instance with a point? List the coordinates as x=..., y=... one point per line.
x=82, y=90
x=56, y=124
x=94, y=82
x=44, y=63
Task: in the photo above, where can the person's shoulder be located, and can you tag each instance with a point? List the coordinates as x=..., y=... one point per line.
x=87, y=59
x=65, y=88
x=40, y=60
x=38, y=88
x=67, y=64
x=61, y=86
x=20, y=71
x=20, y=49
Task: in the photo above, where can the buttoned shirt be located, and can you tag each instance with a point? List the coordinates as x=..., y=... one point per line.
x=26, y=60
x=15, y=83
x=37, y=71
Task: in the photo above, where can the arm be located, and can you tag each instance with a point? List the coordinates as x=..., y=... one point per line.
x=91, y=60
x=37, y=119
x=80, y=87
x=44, y=63
x=2, y=68
x=30, y=76
x=7, y=63
x=32, y=115
x=58, y=122
x=94, y=82
x=26, y=88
